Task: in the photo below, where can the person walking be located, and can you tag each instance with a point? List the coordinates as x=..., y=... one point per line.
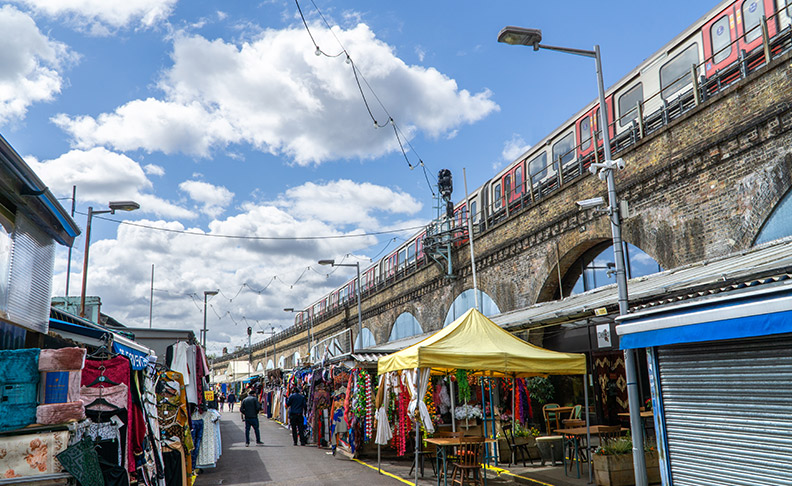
x=231, y=399
x=296, y=404
x=221, y=400
x=250, y=407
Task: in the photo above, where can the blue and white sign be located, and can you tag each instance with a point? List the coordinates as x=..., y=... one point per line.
x=138, y=359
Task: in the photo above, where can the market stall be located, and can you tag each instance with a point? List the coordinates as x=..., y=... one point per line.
x=474, y=343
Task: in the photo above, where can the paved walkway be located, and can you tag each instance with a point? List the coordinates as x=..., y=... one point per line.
x=279, y=462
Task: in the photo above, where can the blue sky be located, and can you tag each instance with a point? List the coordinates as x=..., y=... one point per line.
x=218, y=118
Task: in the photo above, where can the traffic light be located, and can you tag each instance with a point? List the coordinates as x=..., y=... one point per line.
x=445, y=183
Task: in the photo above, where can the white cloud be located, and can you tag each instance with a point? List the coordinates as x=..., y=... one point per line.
x=345, y=202
x=513, y=148
x=30, y=64
x=101, y=176
x=152, y=169
x=257, y=278
x=102, y=17
x=213, y=198
x=276, y=95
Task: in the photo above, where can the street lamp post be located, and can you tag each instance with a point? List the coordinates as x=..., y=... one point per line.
x=272, y=333
x=206, y=293
x=332, y=263
x=114, y=206
x=533, y=37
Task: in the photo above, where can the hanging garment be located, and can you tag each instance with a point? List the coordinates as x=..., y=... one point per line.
x=172, y=412
x=175, y=471
x=209, y=450
x=32, y=454
x=116, y=396
x=81, y=461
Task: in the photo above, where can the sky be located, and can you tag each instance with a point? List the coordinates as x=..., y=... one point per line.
x=221, y=119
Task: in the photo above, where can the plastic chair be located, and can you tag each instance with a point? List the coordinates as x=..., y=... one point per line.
x=548, y=416
x=471, y=455
x=514, y=447
x=576, y=412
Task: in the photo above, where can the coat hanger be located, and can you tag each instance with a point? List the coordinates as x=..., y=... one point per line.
x=102, y=401
x=102, y=379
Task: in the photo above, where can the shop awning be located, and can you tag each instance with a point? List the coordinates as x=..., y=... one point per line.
x=475, y=343
x=748, y=313
x=95, y=336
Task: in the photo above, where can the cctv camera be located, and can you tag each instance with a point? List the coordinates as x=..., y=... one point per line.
x=603, y=175
x=591, y=203
x=619, y=163
x=593, y=169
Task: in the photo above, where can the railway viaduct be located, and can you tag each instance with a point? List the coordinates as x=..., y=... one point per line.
x=700, y=187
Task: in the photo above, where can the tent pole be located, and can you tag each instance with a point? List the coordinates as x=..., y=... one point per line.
x=417, y=422
x=588, y=426
x=453, y=413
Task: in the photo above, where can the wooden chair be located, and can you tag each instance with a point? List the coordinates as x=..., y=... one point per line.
x=470, y=454
x=451, y=456
x=607, y=434
x=427, y=451
x=551, y=416
x=514, y=447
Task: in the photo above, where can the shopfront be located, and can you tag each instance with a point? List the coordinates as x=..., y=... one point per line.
x=721, y=382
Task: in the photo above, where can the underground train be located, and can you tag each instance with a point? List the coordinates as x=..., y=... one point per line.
x=724, y=46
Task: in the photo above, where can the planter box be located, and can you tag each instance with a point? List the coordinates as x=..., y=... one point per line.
x=617, y=470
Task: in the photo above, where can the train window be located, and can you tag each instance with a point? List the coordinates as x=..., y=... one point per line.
x=537, y=168
x=627, y=104
x=507, y=186
x=518, y=180
x=473, y=213
x=402, y=259
x=675, y=74
x=564, y=149
x=585, y=133
x=752, y=17
x=720, y=36
x=496, y=196
x=411, y=254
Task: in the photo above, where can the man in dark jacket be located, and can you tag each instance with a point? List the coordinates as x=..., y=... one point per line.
x=250, y=408
x=296, y=404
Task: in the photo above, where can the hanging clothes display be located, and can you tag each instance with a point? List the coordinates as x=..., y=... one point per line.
x=174, y=418
x=211, y=446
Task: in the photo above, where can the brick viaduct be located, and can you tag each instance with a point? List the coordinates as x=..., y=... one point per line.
x=700, y=187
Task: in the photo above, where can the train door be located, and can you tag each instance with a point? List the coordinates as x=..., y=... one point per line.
x=564, y=152
x=513, y=184
x=589, y=124
x=497, y=197
x=719, y=35
x=749, y=15
x=419, y=248
x=537, y=171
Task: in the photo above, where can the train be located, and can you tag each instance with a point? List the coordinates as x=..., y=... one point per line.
x=732, y=40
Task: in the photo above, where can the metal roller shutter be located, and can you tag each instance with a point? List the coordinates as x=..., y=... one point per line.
x=728, y=411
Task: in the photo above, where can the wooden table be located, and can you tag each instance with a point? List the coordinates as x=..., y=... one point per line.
x=443, y=444
x=645, y=414
x=576, y=433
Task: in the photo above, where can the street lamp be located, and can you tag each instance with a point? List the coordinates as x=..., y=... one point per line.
x=114, y=206
x=272, y=333
x=206, y=293
x=533, y=37
x=310, y=327
x=332, y=263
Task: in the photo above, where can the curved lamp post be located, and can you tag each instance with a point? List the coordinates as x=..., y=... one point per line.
x=332, y=263
x=114, y=206
x=532, y=37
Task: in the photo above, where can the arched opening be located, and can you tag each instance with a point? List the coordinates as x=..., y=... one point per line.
x=466, y=301
x=365, y=339
x=296, y=359
x=779, y=223
x=406, y=325
x=259, y=367
x=270, y=365
x=596, y=267
x=282, y=362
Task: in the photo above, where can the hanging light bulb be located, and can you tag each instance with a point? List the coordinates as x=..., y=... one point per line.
x=318, y=51
x=348, y=60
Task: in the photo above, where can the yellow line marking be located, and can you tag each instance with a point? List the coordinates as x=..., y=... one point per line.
x=383, y=472
x=500, y=471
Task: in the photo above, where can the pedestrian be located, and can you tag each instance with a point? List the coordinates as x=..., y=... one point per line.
x=250, y=408
x=296, y=404
x=231, y=399
x=221, y=400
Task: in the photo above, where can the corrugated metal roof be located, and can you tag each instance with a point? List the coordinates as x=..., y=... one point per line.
x=761, y=265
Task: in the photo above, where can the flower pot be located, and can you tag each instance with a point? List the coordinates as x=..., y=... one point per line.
x=617, y=469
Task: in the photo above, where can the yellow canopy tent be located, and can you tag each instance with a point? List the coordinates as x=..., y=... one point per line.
x=475, y=343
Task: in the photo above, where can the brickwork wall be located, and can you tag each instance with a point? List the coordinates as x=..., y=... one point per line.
x=700, y=187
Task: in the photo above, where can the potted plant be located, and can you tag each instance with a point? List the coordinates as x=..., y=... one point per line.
x=613, y=463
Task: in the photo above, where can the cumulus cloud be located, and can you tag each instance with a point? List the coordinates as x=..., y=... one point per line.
x=103, y=17
x=31, y=64
x=345, y=202
x=100, y=176
x=271, y=263
x=513, y=148
x=276, y=95
x=152, y=169
x=214, y=199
